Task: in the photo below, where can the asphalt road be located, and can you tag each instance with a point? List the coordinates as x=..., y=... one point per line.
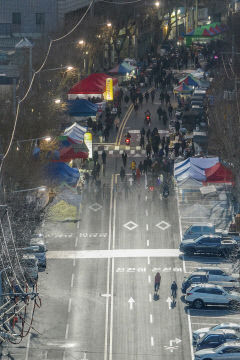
x=97, y=290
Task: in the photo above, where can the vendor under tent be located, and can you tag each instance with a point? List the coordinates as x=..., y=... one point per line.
x=72, y=152
x=205, y=32
x=94, y=86
x=74, y=134
x=219, y=174
x=81, y=107
x=58, y=173
x=201, y=162
x=122, y=69
x=190, y=81
x=183, y=89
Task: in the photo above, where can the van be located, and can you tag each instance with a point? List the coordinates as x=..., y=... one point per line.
x=30, y=266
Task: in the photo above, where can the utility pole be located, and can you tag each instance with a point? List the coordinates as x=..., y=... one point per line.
x=196, y=14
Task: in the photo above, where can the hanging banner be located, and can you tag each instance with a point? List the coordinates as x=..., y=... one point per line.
x=88, y=142
x=109, y=89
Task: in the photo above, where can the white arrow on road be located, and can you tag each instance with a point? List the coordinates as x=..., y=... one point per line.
x=84, y=357
x=169, y=301
x=176, y=340
x=131, y=301
x=131, y=181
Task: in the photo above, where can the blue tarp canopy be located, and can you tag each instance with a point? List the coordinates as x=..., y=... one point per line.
x=60, y=173
x=81, y=107
x=202, y=163
x=193, y=168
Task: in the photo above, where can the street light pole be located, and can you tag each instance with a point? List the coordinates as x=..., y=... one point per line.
x=30, y=64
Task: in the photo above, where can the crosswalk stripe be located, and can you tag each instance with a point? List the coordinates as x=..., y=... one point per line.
x=120, y=253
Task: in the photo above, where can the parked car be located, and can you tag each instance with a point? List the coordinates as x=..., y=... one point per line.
x=196, y=230
x=209, y=244
x=227, y=351
x=216, y=338
x=38, y=239
x=199, y=296
x=215, y=273
x=197, y=334
x=203, y=277
x=30, y=265
x=39, y=252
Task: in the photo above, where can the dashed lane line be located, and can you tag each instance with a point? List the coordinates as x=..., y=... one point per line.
x=69, y=305
x=147, y=243
x=152, y=341
x=151, y=319
x=149, y=279
x=150, y=297
x=67, y=330
x=147, y=227
x=72, y=280
x=148, y=260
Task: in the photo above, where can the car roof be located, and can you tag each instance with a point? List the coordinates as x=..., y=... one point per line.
x=208, y=268
x=207, y=285
x=209, y=236
x=197, y=273
x=231, y=343
x=221, y=331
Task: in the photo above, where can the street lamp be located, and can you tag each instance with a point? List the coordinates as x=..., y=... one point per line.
x=69, y=68
x=157, y=4
x=109, y=24
x=81, y=42
x=57, y=101
x=48, y=138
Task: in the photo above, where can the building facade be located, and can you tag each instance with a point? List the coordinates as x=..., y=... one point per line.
x=32, y=18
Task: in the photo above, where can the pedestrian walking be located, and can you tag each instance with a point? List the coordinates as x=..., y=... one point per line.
x=140, y=97
x=146, y=96
x=116, y=123
x=170, y=111
x=140, y=166
x=126, y=99
x=95, y=156
x=145, y=166
x=148, y=149
x=136, y=107
x=104, y=157
x=142, y=131
x=148, y=135
x=124, y=158
x=122, y=173
x=152, y=95
x=142, y=142
x=157, y=282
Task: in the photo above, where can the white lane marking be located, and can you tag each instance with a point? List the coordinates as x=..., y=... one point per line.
x=118, y=253
x=69, y=305
x=64, y=355
x=184, y=269
x=148, y=260
x=147, y=227
x=113, y=273
x=72, y=280
x=146, y=212
x=76, y=242
x=78, y=225
x=147, y=242
x=151, y=319
x=190, y=333
x=149, y=279
x=108, y=274
x=28, y=346
x=146, y=198
x=152, y=341
x=74, y=262
x=169, y=301
x=131, y=301
x=67, y=330
x=150, y=297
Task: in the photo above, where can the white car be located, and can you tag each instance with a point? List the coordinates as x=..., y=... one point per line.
x=217, y=274
x=198, y=334
x=209, y=294
x=227, y=351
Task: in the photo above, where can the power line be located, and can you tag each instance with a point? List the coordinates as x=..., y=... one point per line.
x=121, y=3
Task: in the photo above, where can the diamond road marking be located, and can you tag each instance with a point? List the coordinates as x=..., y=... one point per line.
x=163, y=225
x=95, y=207
x=130, y=225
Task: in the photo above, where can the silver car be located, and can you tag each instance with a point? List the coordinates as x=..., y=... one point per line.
x=227, y=351
x=197, y=334
x=217, y=274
